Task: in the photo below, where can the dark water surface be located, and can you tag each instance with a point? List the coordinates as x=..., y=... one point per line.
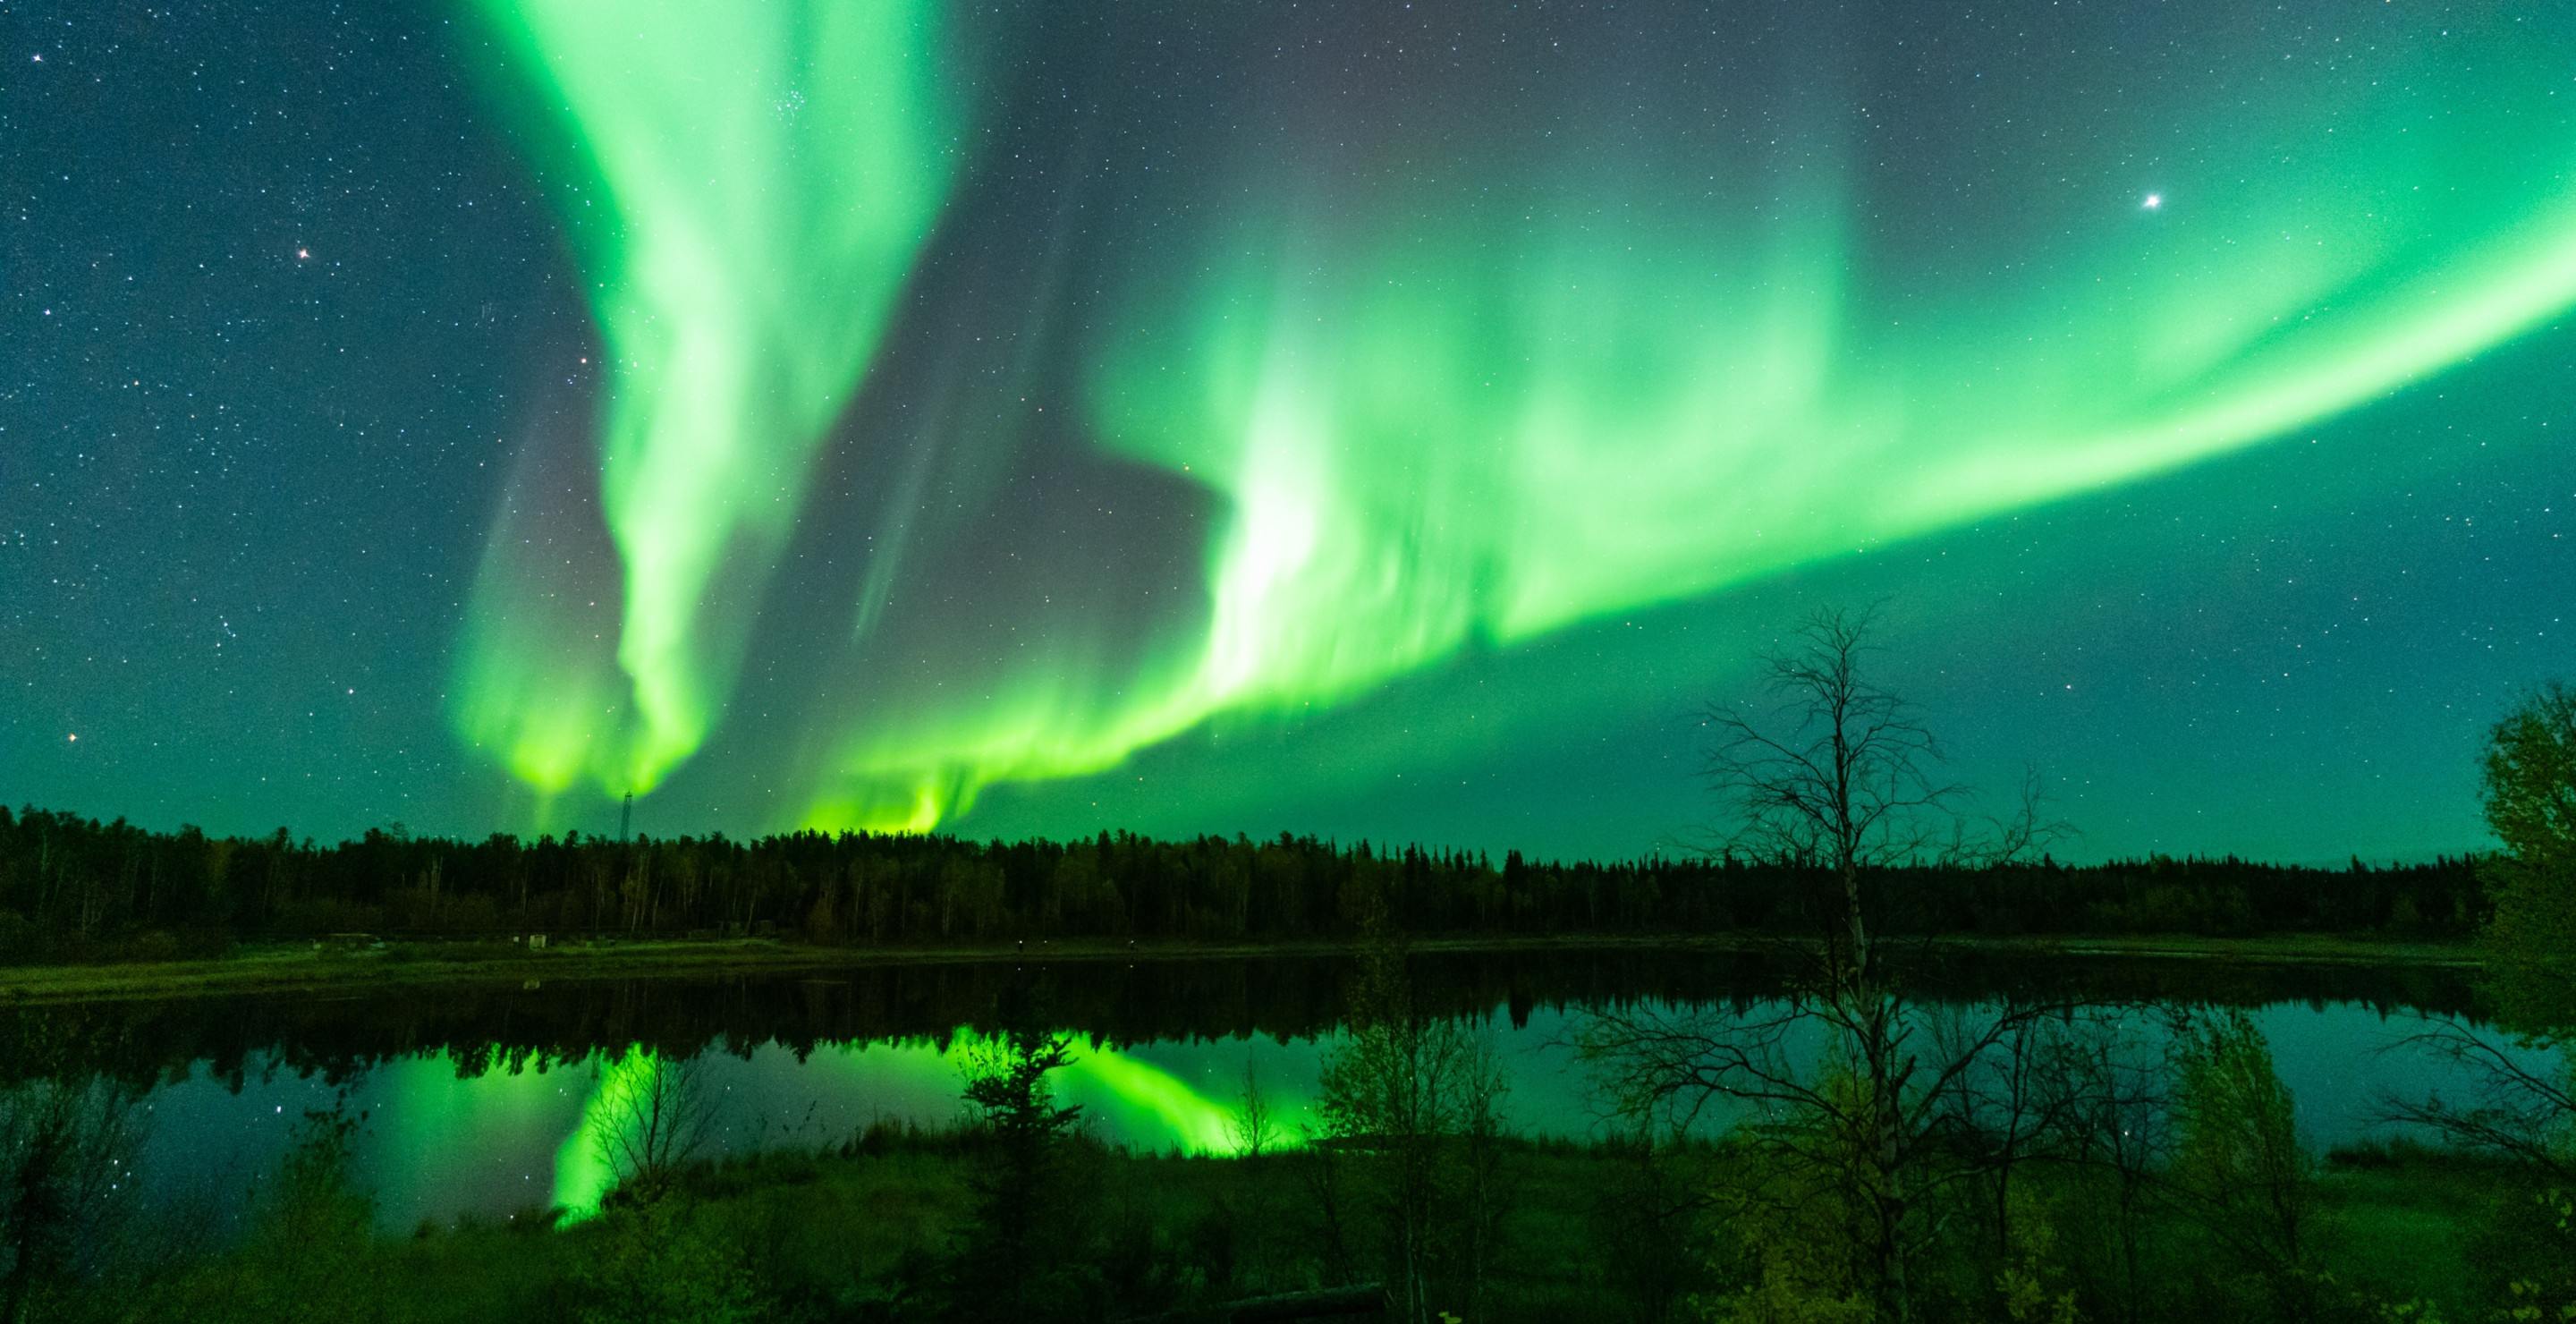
x=481, y=1098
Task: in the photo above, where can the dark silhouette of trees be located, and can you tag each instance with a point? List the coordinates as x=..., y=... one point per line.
x=73, y=889
x=654, y=1118
x=1840, y=780
x=311, y=1231
x=2507, y=1105
x=2530, y=800
x=2238, y=1164
x=1411, y=1109
x=1017, y=1258
x=655, y=1260
x=2110, y=1116
x=1254, y=1129
x=661, y=1263
x=67, y=1186
x=2518, y=1100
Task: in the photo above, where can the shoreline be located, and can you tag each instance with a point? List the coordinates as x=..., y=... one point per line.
x=328, y=966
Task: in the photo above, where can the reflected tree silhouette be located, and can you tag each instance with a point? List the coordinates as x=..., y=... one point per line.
x=652, y=1119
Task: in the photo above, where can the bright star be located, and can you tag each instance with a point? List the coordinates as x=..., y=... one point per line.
x=2155, y=200
x=303, y=253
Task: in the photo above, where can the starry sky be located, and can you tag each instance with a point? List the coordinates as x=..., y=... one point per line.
x=1373, y=419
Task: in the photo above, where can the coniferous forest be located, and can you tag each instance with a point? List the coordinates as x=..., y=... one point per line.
x=74, y=888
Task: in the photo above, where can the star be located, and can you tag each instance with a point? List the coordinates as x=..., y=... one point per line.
x=2154, y=201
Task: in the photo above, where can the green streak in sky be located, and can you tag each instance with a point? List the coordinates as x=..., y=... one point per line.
x=1436, y=446
x=1575, y=370
x=747, y=191
x=1444, y=415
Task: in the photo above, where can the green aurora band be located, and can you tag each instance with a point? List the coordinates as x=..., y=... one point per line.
x=767, y=180
x=1579, y=372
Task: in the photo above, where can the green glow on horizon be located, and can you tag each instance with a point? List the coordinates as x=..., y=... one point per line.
x=749, y=196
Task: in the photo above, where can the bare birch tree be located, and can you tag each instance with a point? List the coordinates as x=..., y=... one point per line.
x=1842, y=779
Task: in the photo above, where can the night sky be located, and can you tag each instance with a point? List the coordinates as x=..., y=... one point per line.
x=1373, y=420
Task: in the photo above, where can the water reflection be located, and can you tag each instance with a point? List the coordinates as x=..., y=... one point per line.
x=440, y=1145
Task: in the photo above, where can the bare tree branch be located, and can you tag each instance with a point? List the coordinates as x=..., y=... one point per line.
x=2510, y=1108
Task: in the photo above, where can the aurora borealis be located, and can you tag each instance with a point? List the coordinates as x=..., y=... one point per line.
x=739, y=314
x=1364, y=419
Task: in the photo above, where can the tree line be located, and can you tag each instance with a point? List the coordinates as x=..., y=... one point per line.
x=76, y=888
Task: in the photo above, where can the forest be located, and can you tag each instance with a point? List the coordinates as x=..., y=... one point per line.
x=75, y=889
